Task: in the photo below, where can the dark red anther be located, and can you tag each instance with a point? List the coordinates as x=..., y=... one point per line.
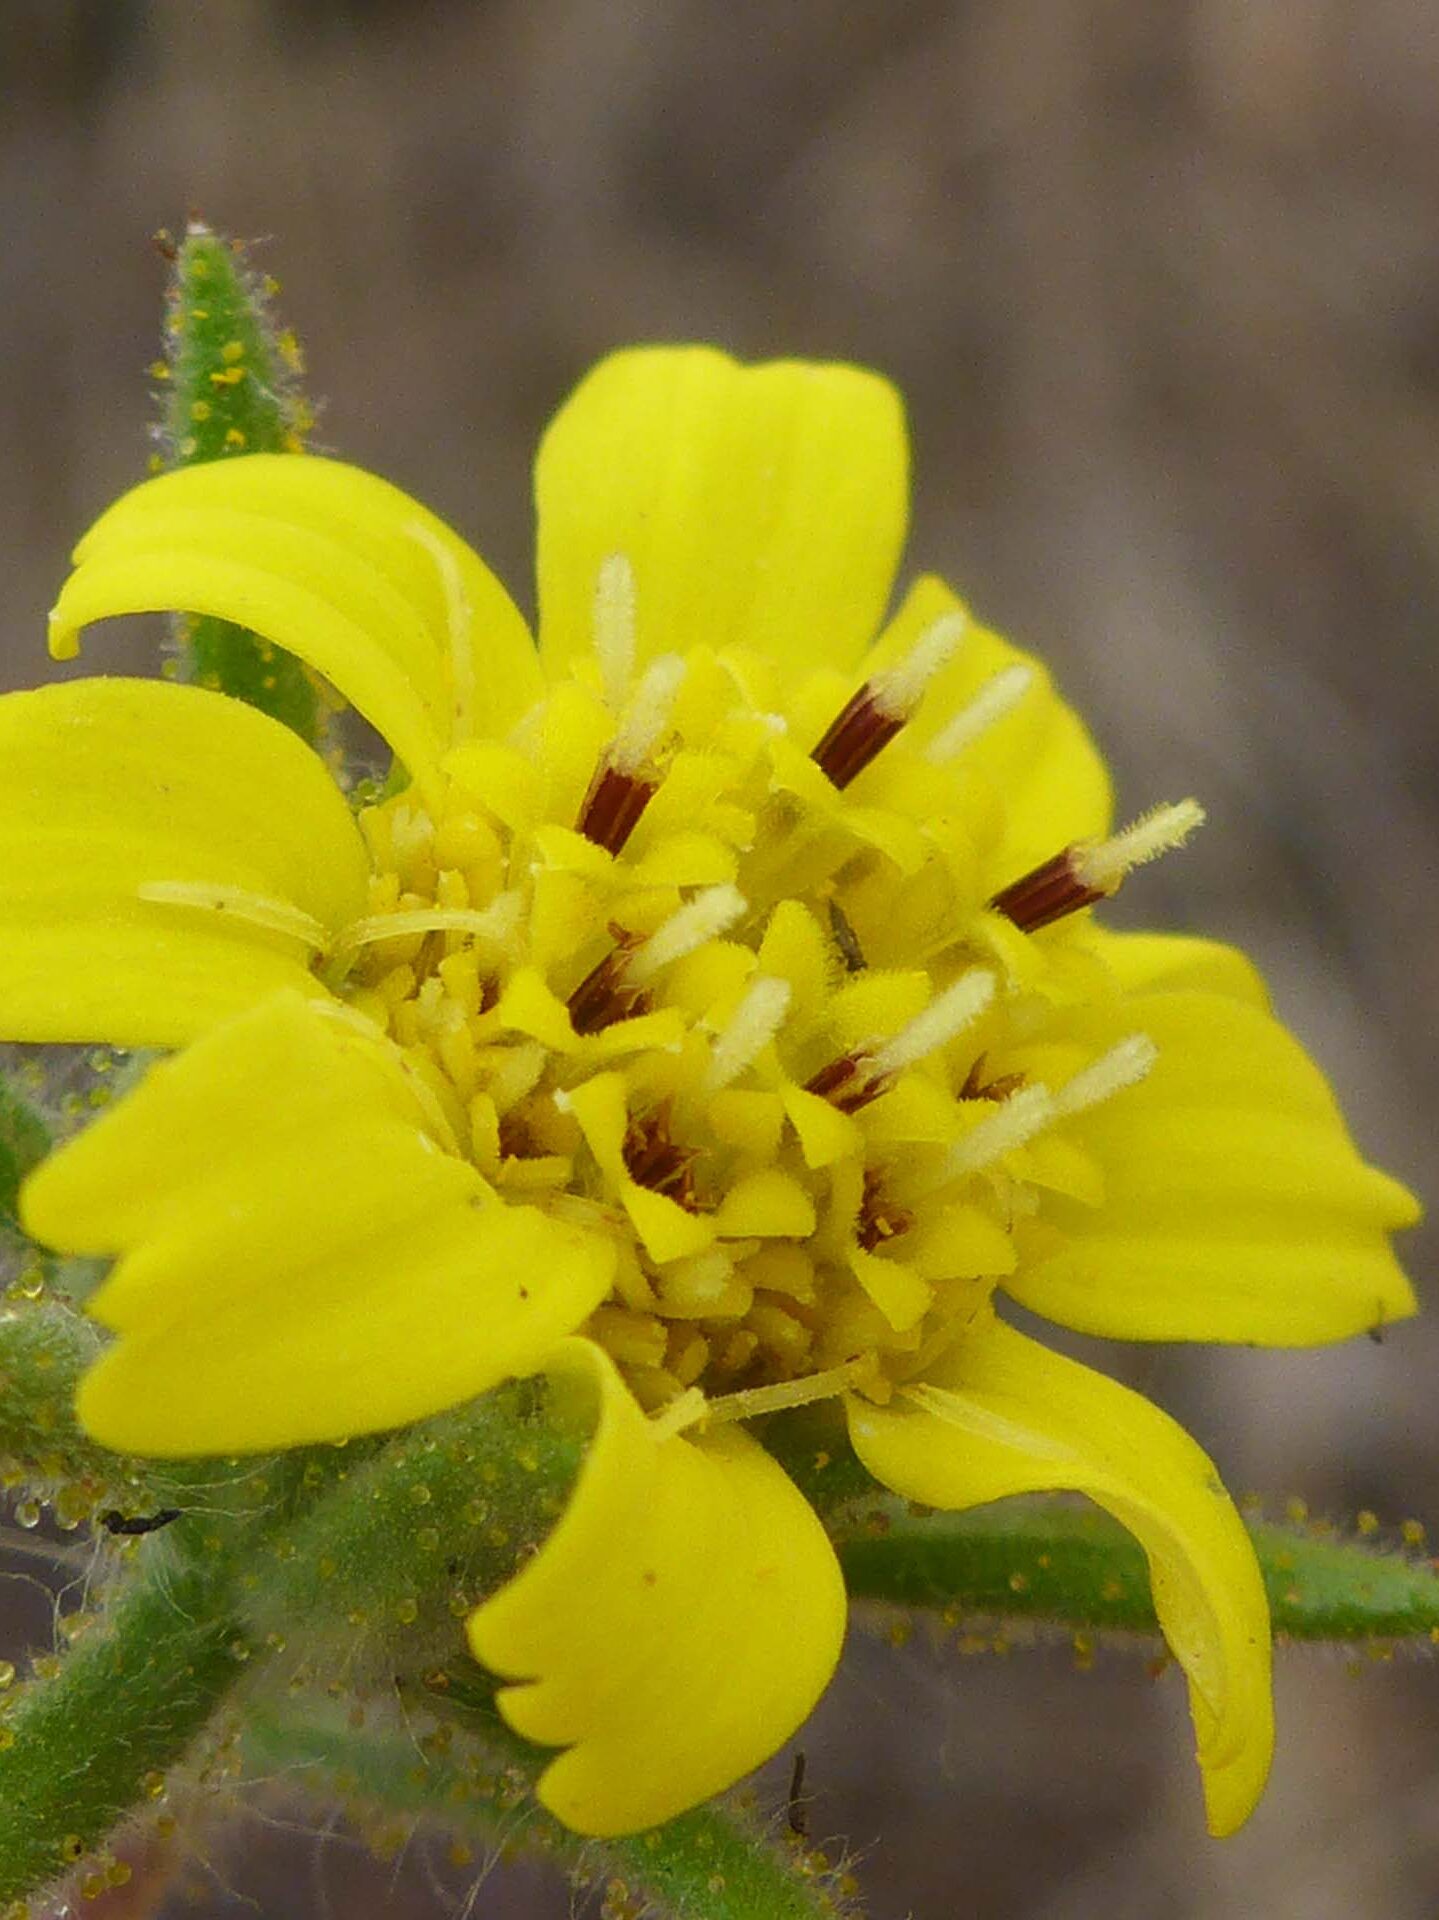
x=604, y=995
x=855, y=736
x=847, y=1083
x=613, y=806
x=1046, y=894
x=878, y=1220
x=653, y=1159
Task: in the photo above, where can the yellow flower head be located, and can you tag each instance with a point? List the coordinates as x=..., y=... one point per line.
x=713, y=1019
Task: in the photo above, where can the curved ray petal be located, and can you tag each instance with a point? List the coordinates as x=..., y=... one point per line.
x=333, y=564
x=761, y=506
x=676, y=1627
x=1001, y=1415
x=1236, y=1206
x=298, y=1259
x=111, y=786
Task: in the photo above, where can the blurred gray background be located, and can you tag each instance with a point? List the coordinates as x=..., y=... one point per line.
x=1162, y=286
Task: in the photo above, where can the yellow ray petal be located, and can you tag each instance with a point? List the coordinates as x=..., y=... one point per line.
x=676, y=1627
x=1001, y=1416
x=1143, y=962
x=762, y=506
x=298, y=1260
x=1236, y=1207
x=333, y=564
x=108, y=786
x=1039, y=758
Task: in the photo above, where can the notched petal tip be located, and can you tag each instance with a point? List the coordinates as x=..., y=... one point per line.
x=676, y=1627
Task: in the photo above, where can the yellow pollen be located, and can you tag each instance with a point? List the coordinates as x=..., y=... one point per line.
x=757, y=1020
x=1158, y=831
x=1125, y=1065
x=1011, y=1124
x=995, y=699
x=648, y=714
x=597, y=1033
x=899, y=690
x=958, y=1007
x=614, y=629
x=695, y=924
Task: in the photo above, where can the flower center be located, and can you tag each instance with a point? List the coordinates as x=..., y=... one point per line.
x=660, y=976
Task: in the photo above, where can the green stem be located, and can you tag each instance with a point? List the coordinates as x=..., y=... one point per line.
x=1050, y=1560
x=80, y=1750
x=711, y=1864
x=386, y=1567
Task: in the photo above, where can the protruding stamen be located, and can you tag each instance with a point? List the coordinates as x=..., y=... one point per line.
x=614, y=989
x=648, y=714
x=606, y=994
x=1160, y=830
x=1046, y=893
x=614, y=628
x=900, y=689
x=757, y=1020
x=260, y=910
x=857, y=1078
x=1018, y=1119
x=875, y=714
x=753, y=1401
x=704, y=918
x=496, y=923
x=620, y=790
x=1125, y=1065
x=1084, y=874
x=995, y=699
x=949, y=1013
x=686, y=1410
x=613, y=807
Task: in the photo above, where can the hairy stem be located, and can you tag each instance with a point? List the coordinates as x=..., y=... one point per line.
x=80, y=1750
x=712, y=1864
x=1071, y=1565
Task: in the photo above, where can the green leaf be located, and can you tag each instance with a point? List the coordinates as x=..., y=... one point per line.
x=232, y=389
x=1070, y=1565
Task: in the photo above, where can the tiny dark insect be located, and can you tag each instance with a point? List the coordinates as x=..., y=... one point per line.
x=796, y=1807
x=846, y=940
x=130, y=1523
